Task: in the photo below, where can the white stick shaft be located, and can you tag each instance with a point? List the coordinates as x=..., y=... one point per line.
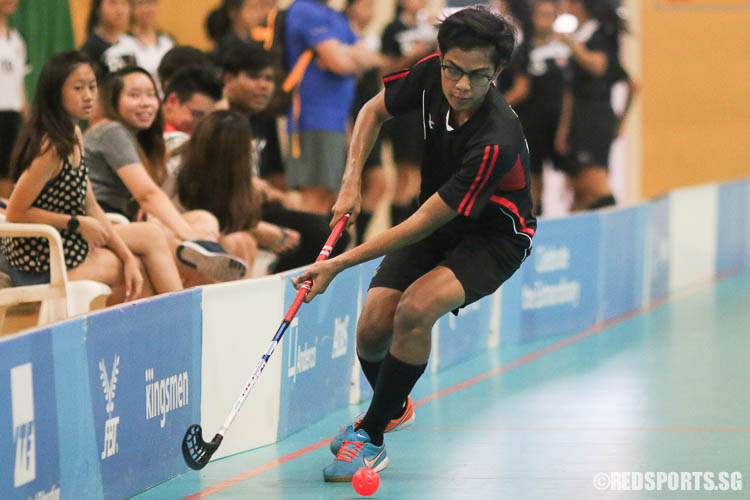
x=248, y=387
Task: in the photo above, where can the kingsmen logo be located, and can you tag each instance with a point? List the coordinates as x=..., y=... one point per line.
x=109, y=384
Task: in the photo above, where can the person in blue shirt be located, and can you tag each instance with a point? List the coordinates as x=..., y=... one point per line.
x=320, y=105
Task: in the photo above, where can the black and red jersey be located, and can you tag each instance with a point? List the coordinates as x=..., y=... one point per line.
x=481, y=169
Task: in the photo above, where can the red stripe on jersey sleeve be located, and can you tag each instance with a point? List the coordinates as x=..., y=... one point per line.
x=505, y=202
x=477, y=179
x=434, y=54
x=495, y=151
x=395, y=76
x=403, y=73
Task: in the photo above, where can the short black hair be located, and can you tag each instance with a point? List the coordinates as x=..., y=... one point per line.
x=246, y=57
x=179, y=57
x=475, y=27
x=194, y=80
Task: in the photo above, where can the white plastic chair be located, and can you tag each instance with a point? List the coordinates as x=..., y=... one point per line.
x=60, y=299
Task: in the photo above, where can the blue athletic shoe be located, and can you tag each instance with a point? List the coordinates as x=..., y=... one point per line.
x=394, y=425
x=356, y=451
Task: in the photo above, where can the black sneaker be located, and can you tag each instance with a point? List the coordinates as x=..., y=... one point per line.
x=210, y=258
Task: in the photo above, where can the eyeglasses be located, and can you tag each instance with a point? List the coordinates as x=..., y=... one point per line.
x=197, y=114
x=476, y=78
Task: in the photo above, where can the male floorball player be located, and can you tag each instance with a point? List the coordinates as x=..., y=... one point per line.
x=471, y=232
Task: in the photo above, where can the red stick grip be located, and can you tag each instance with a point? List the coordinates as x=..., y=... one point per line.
x=323, y=255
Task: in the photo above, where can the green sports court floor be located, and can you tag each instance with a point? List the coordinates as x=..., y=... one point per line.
x=663, y=390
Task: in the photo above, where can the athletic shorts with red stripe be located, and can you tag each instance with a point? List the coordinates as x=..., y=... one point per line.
x=481, y=262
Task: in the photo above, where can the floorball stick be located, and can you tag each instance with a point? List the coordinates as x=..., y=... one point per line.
x=198, y=452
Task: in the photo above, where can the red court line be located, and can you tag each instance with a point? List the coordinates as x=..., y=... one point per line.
x=479, y=378
x=258, y=470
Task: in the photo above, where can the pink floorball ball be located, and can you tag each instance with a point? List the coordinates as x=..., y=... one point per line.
x=365, y=481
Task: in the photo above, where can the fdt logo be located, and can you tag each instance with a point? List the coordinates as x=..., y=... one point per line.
x=109, y=384
x=22, y=407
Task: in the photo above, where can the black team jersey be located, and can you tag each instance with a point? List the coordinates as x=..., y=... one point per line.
x=480, y=169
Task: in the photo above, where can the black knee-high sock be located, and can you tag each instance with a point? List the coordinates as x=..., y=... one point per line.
x=395, y=381
x=363, y=220
x=370, y=369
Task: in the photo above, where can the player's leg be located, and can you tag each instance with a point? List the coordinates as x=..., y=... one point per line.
x=375, y=329
x=420, y=306
x=428, y=298
x=374, y=333
x=395, y=274
x=475, y=268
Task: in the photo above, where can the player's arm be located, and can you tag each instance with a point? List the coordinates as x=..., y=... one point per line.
x=433, y=214
x=366, y=130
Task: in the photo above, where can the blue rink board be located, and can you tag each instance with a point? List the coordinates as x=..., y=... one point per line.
x=551, y=416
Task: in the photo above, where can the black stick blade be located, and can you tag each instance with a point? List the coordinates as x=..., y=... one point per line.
x=195, y=450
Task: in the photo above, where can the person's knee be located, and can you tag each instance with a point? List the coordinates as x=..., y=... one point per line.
x=415, y=314
x=374, y=329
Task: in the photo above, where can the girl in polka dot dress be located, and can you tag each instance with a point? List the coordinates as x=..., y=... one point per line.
x=52, y=187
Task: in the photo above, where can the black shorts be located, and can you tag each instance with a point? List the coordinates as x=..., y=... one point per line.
x=406, y=134
x=591, y=133
x=540, y=127
x=10, y=124
x=480, y=262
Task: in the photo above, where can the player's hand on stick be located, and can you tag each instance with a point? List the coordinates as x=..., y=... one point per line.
x=349, y=201
x=321, y=274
